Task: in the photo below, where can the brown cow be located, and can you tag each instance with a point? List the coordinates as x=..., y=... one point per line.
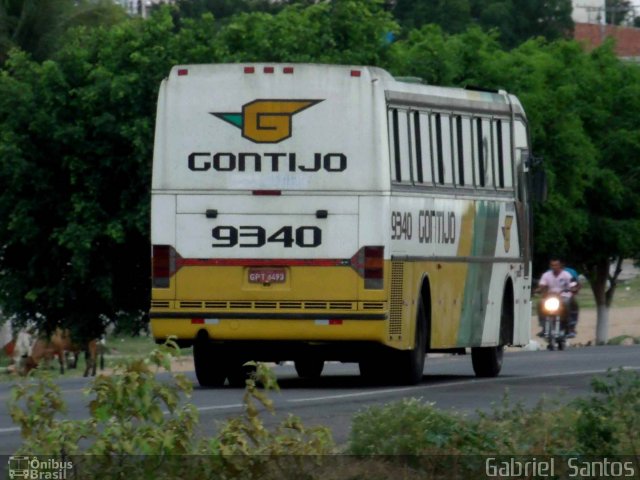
x=59, y=343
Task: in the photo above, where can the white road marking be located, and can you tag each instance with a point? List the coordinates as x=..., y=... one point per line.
x=453, y=384
x=219, y=407
x=349, y=395
x=395, y=390
x=212, y=407
x=9, y=430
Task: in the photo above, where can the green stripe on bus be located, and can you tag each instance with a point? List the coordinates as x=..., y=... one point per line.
x=476, y=289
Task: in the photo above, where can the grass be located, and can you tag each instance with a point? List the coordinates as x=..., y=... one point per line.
x=135, y=347
x=627, y=293
x=117, y=348
x=621, y=338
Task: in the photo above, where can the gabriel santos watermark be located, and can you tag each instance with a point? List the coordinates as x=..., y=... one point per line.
x=559, y=467
x=34, y=468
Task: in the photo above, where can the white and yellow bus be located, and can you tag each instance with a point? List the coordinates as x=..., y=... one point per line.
x=333, y=213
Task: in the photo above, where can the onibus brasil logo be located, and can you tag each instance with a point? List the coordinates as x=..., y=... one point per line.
x=34, y=468
x=266, y=121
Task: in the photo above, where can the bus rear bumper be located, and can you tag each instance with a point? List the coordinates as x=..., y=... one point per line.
x=365, y=327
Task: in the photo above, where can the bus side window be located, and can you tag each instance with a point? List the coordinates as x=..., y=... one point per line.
x=421, y=142
x=478, y=153
x=499, y=157
x=458, y=151
x=399, y=140
x=467, y=150
x=483, y=158
x=447, y=151
x=436, y=136
x=489, y=149
x=507, y=153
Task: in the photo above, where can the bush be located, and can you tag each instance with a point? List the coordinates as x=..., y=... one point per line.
x=609, y=421
x=606, y=423
x=142, y=427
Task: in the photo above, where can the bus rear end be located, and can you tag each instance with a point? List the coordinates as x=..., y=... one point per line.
x=265, y=181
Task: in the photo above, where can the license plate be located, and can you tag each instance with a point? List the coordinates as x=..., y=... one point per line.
x=267, y=275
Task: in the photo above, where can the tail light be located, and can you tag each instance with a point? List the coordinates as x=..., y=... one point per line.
x=369, y=263
x=163, y=263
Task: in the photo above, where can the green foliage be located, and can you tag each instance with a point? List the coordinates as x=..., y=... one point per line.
x=515, y=20
x=618, y=12
x=410, y=427
x=609, y=421
x=624, y=340
x=605, y=423
x=126, y=413
x=135, y=413
x=38, y=26
x=342, y=31
x=75, y=155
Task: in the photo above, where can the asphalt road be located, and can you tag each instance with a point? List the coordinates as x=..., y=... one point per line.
x=339, y=393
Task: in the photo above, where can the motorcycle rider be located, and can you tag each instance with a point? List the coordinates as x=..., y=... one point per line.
x=559, y=281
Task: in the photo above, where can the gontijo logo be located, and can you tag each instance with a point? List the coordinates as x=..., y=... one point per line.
x=266, y=121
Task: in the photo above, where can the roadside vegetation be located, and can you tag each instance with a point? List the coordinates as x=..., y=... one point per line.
x=605, y=423
x=151, y=421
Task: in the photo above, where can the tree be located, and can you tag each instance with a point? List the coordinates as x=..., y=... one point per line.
x=341, y=31
x=36, y=26
x=227, y=8
x=619, y=12
x=452, y=16
x=515, y=20
x=76, y=138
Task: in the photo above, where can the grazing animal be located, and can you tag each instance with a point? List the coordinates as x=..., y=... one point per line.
x=56, y=346
x=15, y=347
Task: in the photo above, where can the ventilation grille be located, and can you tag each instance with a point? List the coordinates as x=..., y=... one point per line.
x=264, y=305
x=157, y=304
x=395, y=308
x=373, y=306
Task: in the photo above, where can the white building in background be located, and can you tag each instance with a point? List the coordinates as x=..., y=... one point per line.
x=589, y=11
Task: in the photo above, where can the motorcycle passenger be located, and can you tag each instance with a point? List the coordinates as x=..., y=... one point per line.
x=556, y=280
x=574, y=308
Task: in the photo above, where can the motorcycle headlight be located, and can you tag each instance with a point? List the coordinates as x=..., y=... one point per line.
x=552, y=305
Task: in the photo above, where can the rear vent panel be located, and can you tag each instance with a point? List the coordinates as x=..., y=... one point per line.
x=270, y=305
x=373, y=306
x=395, y=308
x=190, y=304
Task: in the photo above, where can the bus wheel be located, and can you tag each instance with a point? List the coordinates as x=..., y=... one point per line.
x=487, y=361
x=208, y=364
x=309, y=367
x=240, y=373
x=409, y=365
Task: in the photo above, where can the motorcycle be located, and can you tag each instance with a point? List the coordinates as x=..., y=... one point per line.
x=555, y=322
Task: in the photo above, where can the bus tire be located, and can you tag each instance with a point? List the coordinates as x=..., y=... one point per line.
x=209, y=365
x=377, y=371
x=367, y=369
x=309, y=367
x=487, y=361
x=239, y=373
x=410, y=363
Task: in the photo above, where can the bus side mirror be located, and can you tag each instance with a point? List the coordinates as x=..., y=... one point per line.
x=538, y=185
